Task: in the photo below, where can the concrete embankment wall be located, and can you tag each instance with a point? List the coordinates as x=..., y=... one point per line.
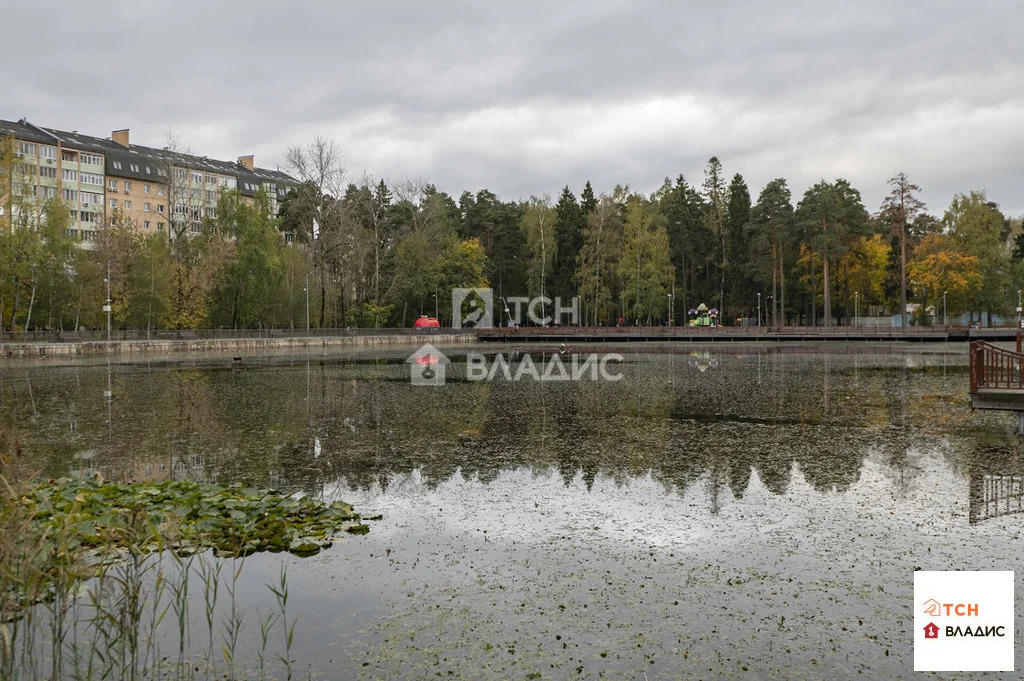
x=249, y=345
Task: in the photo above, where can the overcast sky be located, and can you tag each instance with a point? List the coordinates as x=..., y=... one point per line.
x=525, y=97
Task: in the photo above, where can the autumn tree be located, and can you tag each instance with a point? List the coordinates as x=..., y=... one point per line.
x=976, y=227
x=538, y=224
x=939, y=267
x=644, y=265
x=597, y=260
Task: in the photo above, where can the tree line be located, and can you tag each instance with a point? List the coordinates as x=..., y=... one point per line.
x=373, y=253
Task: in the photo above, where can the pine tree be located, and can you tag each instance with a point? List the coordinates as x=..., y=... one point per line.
x=715, y=219
x=738, y=216
x=587, y=200
x=568, y=239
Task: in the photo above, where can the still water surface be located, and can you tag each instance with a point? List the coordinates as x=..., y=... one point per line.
x=720, y=513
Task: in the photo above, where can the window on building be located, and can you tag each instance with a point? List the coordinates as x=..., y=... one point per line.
x=69, y=175
x=91, y=178
x=145, y=188
x=48, y=171
x=160, y=226
x=113, y=203
x=145, y=207
x=127, y=205
x=148, y=171
x=127, y=187
x=160, y=208
x=112, y=185
x=117, y=165
x=48, y=192
x=180, y=174
x=90, y=198
x=27, y=149
x=146, y=223
x=91, y=159
x=160, y=191
x=73, y=233
x=74, y=215
x=70, y=195
x=197, y=178
x=49, y=153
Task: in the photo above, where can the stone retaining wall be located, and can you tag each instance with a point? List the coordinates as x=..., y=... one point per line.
x=249, y=345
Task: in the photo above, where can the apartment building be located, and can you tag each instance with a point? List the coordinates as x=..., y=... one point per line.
x=55, y=164
x=154, y=190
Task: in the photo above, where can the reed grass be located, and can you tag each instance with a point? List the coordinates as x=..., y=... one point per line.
x=117, y=610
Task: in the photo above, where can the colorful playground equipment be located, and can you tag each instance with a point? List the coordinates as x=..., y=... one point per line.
x=702, y=316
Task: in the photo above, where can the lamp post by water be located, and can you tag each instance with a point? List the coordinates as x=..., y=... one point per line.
x=856, y=308
x=670, y=309
x=307, y=302
x=944, y=322
x=768, y=306
x=1018, y=307
x=106, y=307
x=759, y=310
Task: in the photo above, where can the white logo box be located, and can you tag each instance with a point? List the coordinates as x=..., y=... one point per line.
x=953, y=595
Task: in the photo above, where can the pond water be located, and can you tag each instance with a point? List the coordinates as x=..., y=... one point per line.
x=726, y=512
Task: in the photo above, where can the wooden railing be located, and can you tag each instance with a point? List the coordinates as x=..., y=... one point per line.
x=994, y=367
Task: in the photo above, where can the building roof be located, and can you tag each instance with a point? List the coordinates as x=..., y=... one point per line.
x=148, y=159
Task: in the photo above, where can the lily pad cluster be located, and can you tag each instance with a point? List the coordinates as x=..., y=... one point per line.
x=186, y=517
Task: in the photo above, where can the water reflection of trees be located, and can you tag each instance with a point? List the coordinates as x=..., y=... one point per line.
x=302, y=423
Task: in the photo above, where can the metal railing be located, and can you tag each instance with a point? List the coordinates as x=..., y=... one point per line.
x=94, y=335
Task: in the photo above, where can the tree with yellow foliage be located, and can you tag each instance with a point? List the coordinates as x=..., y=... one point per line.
x=937, y=266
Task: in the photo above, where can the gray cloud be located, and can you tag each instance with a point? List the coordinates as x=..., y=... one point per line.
x=530, y=96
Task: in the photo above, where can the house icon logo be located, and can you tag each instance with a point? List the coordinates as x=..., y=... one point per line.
x=931, y=630
x=472, y=307
x=932, y=607
x=427, y=365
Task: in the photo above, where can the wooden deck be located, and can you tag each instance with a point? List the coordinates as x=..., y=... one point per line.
x=997, y=377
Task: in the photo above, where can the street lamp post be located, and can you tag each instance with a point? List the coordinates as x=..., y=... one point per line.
x=944, y=322
x=768, y=317
x=856, y=309
x=106, y=308
x=307, y=302
x=670, y=309
x=759, y=310
x=1018, y=307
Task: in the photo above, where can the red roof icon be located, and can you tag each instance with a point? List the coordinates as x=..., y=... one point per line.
x=931, y=630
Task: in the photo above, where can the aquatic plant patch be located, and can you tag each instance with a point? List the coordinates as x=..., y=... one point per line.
x=185, y=517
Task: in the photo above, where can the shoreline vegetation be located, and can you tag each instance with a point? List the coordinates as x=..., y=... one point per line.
x=106, y=580
x=337, y=252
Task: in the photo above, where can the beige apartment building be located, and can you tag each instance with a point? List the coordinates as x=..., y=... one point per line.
x=153, y=190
